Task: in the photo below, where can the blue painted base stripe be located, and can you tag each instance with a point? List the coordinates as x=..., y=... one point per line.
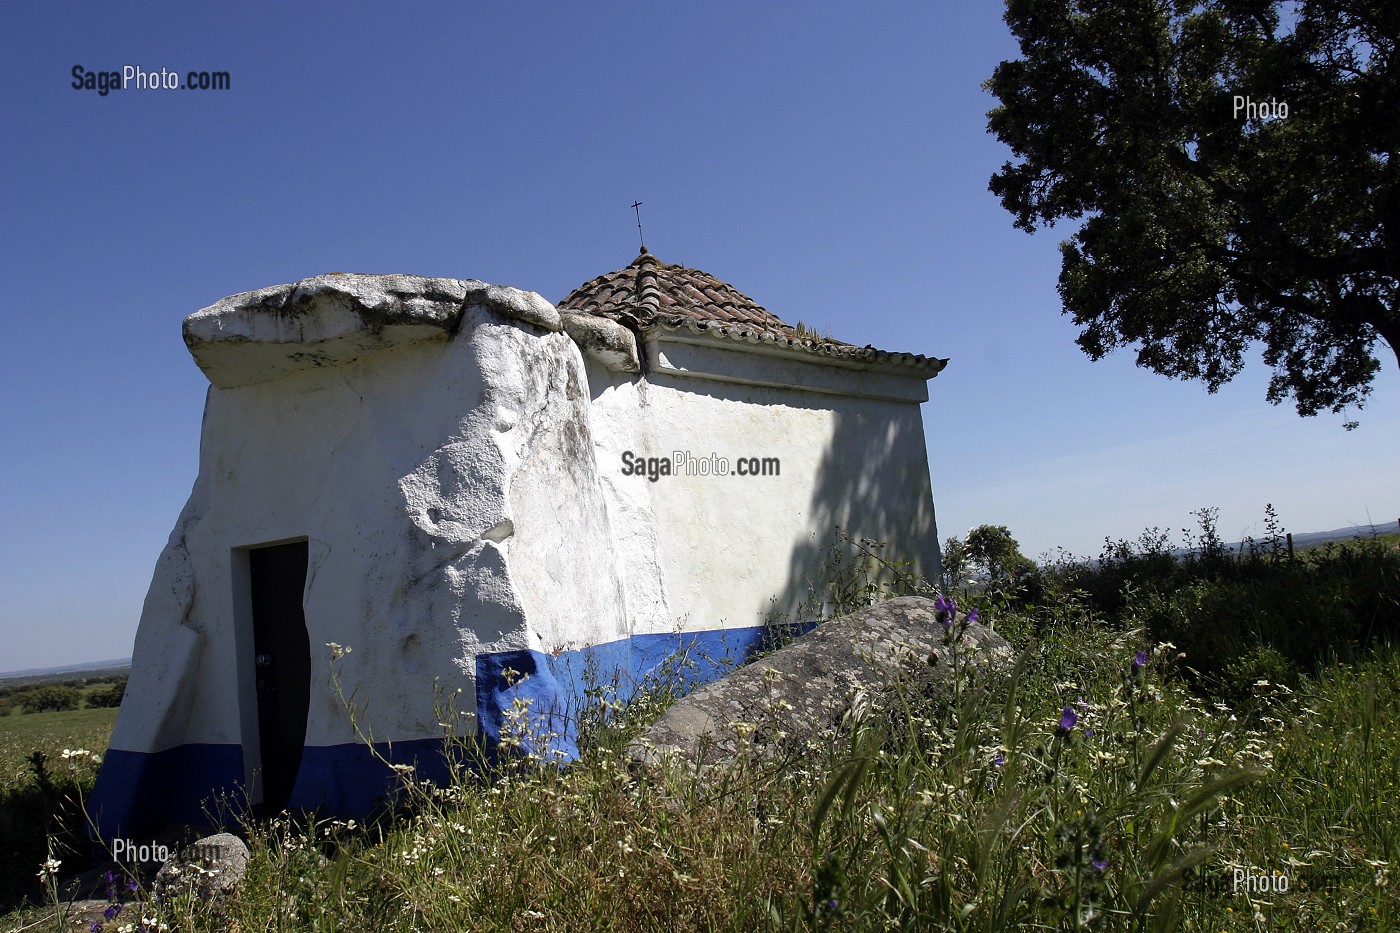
x=136, y=792
x=536, y=697
x=344, y=781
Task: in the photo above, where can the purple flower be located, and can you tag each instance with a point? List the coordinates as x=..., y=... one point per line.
x=1088, y=733
x=111, y=912
x=972, y=616
x=1140, y=661
x=1067, y=719
x=95, y=926
x=1100, y=863
x=999, y=760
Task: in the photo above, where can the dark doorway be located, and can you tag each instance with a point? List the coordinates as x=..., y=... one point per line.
x=282, y=661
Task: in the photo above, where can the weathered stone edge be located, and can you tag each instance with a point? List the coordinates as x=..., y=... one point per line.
x=806, y=687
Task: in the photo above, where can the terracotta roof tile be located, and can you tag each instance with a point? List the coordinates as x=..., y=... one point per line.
x=649, y=294
x=647, y=289
x=915, y=363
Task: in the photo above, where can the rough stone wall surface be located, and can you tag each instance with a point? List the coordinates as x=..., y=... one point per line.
x=800, y=692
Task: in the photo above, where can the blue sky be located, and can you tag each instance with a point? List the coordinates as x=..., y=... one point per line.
x=828, y=159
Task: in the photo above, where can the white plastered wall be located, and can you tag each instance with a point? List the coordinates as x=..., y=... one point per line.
x=712, y=552
x=446, y=487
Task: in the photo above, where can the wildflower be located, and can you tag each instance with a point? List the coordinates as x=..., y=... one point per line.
x=1099, y=863
x=95, y=926
x=1140, y=661
x=945, y=608
x=972, y=616
x=111, y=912
x=1067, y=720
x=49, y=869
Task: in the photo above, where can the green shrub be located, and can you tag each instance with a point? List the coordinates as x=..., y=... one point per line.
x=1241, y=617
x=50, y=698
x=107, y=697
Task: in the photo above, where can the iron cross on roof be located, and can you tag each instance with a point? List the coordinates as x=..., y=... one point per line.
x=637, y=206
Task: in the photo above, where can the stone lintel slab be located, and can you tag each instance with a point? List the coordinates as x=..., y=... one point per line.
x=604, y=340
x=334, y=319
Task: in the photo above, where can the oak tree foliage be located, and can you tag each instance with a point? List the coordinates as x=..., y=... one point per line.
x=1205, y=231
x=990, y=555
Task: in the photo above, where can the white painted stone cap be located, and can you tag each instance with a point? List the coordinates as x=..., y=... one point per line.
x=334, y=319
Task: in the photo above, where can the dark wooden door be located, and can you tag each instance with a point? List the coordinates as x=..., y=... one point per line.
x=282, y=659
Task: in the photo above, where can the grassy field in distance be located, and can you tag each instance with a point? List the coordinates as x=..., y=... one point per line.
x=22, y=734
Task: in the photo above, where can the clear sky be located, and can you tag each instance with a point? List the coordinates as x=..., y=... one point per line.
x=828, y=159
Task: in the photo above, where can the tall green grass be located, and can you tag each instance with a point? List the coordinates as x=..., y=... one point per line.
x=1108, y=781
x=40, y=790
x=983, y=813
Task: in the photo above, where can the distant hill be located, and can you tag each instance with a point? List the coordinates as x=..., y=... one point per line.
x=1302, y=540
x=87, y=669
x=1314, y=538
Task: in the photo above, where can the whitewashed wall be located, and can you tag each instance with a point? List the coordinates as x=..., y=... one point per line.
x=734, y=549
x=446, y=486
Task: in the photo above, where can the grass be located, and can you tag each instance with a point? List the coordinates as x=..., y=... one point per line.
x=21, y=734
x=39, y=790
x=983, y=815
x=1103, y=783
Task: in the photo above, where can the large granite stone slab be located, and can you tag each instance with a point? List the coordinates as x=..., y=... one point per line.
x=782, y=702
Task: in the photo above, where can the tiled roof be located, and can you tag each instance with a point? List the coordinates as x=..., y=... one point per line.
x=916, y=363
x=648, y=290
x=651, y=295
